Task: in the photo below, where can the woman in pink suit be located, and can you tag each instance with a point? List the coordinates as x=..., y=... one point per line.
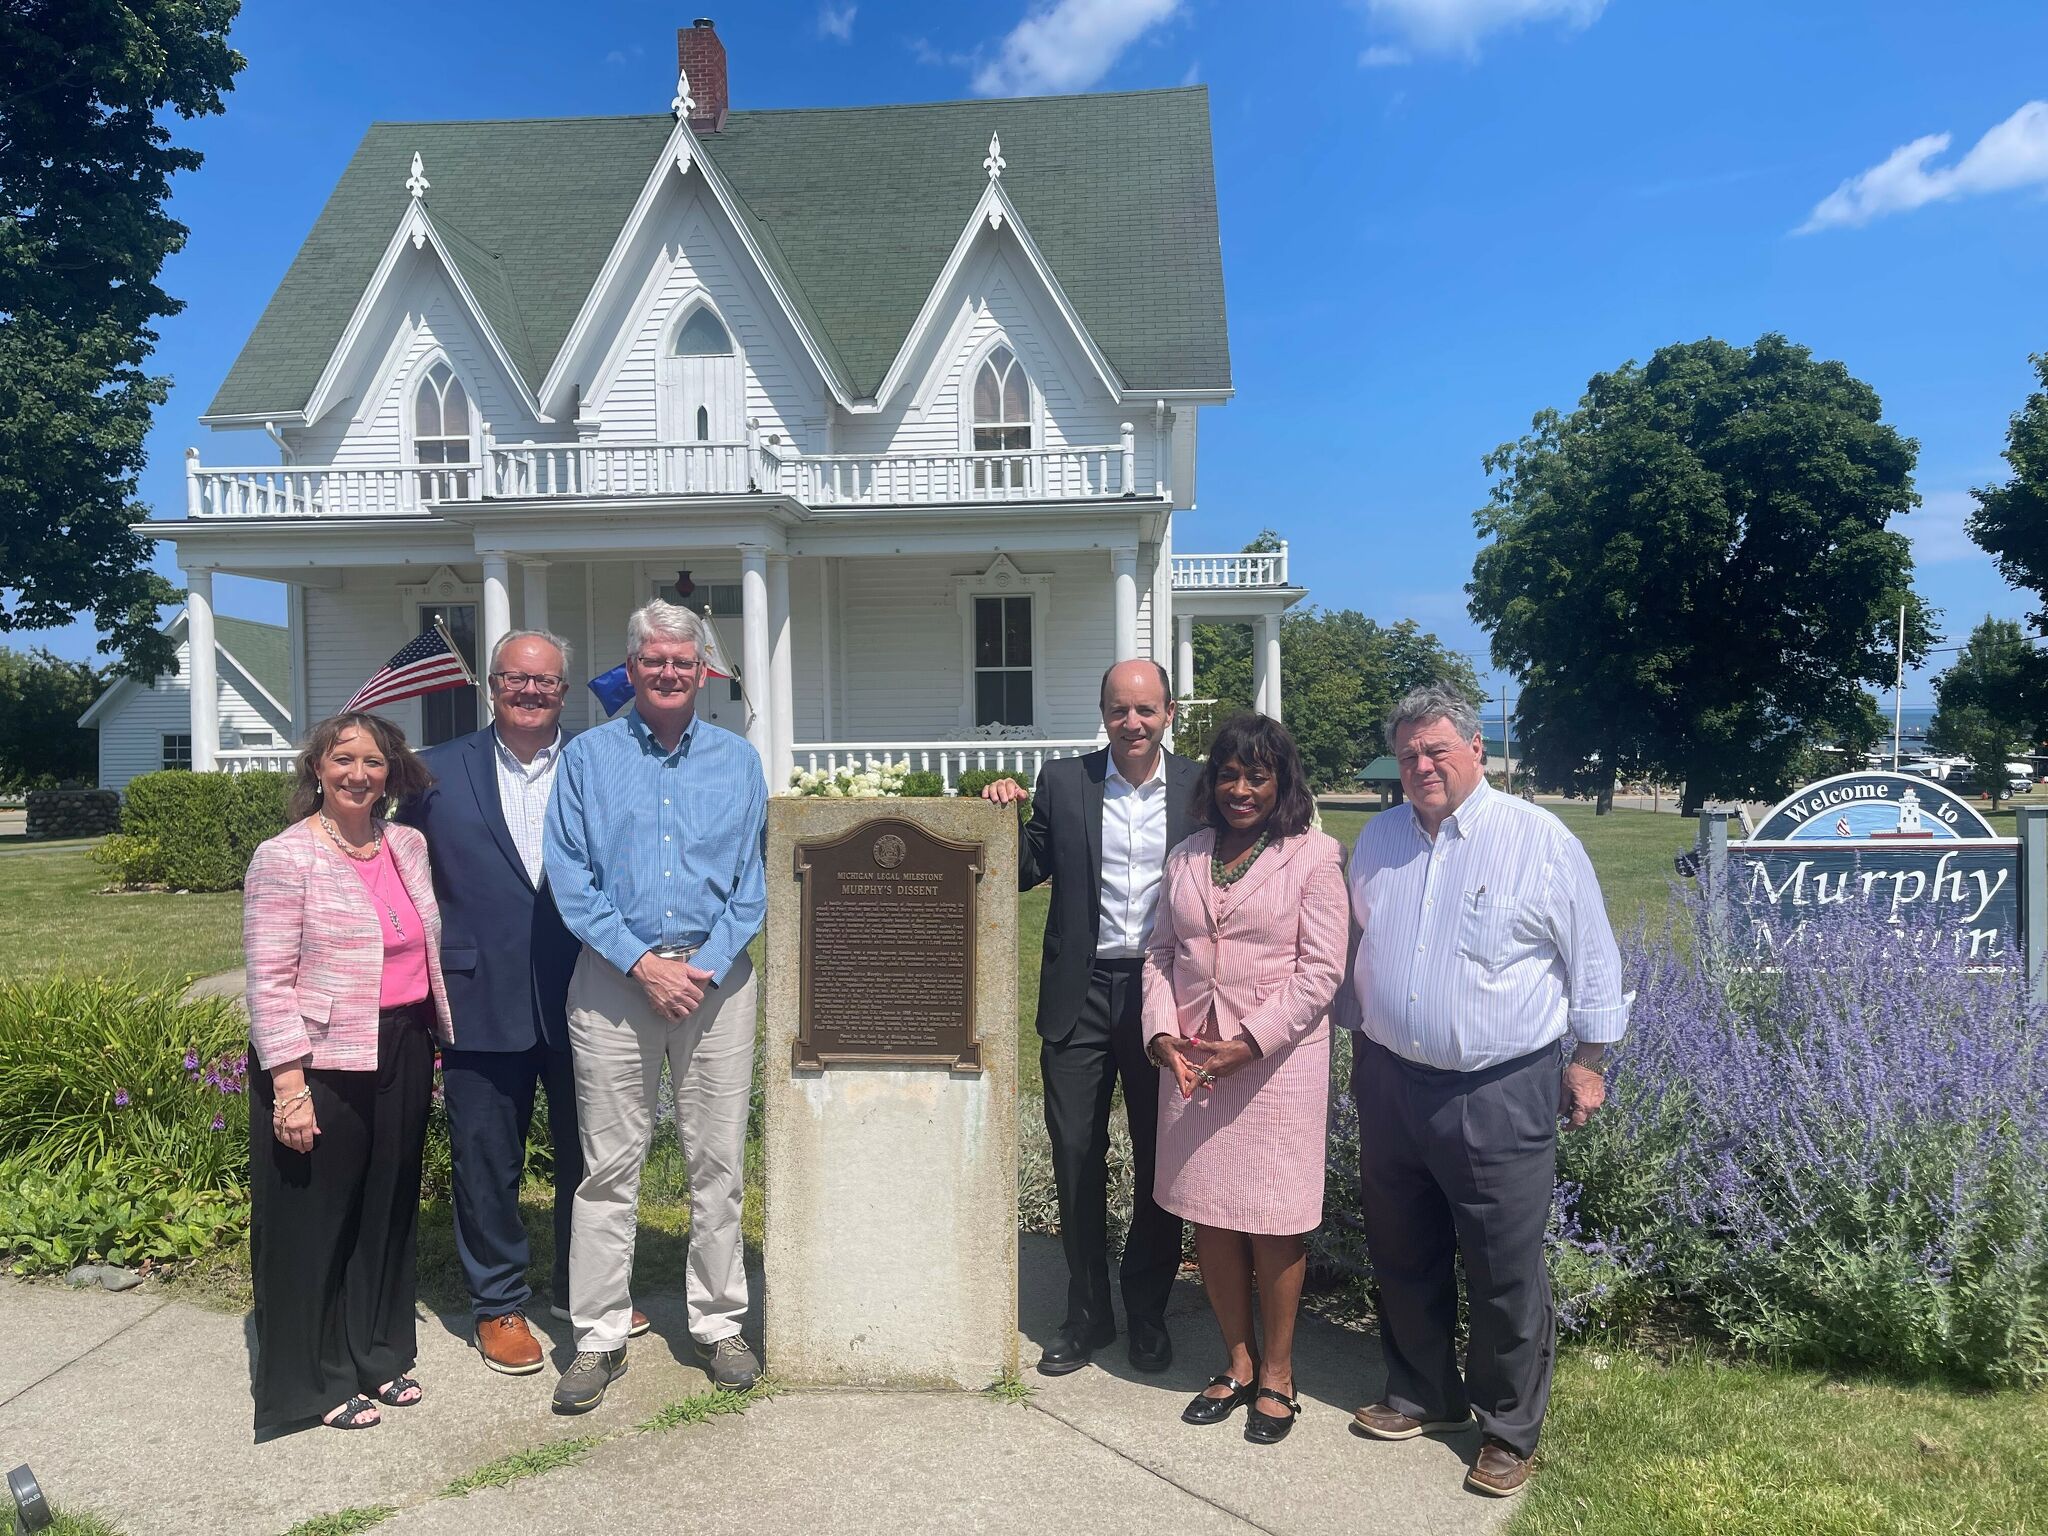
x=1246, y=954
x=343, y=944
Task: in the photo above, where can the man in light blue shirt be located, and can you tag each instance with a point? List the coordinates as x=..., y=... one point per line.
x=653, y=850
x=1484, y=944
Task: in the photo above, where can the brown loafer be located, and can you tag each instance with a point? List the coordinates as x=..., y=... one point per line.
x=508, y=1345
x=1384, y=1423
x=1498, y=1473
x=639, y=1325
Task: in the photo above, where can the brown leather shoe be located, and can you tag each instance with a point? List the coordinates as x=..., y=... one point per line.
x=639, y=1325
x=508, y=1345
x=1499, y=1472
x=1384, y=1423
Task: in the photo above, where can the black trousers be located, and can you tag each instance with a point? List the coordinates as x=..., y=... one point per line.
x=333, y=1231
x=1080, y=1072
x=489, y=1095
x=1461, y=1165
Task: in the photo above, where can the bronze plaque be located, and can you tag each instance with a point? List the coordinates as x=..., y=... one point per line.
x=887, y=970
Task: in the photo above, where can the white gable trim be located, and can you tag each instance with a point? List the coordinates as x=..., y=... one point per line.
x=239, y=677
x=416, y=228
x=991, y=213
x=682, y=154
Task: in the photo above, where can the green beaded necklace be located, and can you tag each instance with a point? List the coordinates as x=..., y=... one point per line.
x=1222, y=875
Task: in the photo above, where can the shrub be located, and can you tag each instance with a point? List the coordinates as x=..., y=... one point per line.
x=195, y=831
x=872, y=781
x=120, y=1211
x=974, y=780
x=922, y=784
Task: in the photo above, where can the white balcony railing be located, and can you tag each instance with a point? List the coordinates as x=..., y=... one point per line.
x=1086, y=473
x=1230, y=573
x=948, y=759
x=370, y=490
x=625, y=469
x=255, y=759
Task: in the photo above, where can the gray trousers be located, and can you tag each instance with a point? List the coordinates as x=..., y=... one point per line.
x=1461, y=1165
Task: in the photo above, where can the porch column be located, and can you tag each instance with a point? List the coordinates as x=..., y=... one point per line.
x=200, y=667
x=782, y=704
x=756, y=664
x=1123, y=563
x=534, y=612
x=1269, y=645
x=1259, y=673
x=1184, y=654
x=497, y=614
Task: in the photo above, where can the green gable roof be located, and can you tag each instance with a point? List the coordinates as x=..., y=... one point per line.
x=264, y=650
x=855, y=210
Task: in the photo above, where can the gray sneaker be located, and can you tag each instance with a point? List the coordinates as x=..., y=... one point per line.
x=582, y=1385
x=729, y=1363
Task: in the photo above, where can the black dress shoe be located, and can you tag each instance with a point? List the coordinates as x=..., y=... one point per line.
x=1269, y=1429
x=1204, y=1409
x=1071, y=1347
x=1151, y=1348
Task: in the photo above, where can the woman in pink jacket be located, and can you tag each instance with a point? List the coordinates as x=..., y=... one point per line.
x=343, y=945
x=1246, y=954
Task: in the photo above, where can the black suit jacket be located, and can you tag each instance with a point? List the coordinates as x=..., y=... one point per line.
x=1062, y=843
x=504, y=949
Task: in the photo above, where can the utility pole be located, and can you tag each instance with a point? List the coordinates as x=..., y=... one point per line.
x=1899, y=690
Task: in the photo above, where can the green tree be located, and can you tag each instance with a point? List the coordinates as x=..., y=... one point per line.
x=41, y=698
x=85, y=167
x=1989, y=706
x=2011, y=520
x=1693, y=575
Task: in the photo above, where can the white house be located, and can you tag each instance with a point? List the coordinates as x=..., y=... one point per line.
x=147, y=726
x=911, y=394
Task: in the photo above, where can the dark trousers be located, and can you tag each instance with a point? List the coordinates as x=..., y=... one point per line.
x=1461, y=1165
x=489, y=1095
x=332, y=1232
x=1080, y=1073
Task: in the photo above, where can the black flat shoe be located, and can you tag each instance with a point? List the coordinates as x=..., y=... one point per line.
x=1214, y=1410
x=1071, y=1349
x=1267, y=1428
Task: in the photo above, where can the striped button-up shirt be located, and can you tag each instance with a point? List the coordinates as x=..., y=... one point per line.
x=523, y=790
x=649, y=849
x=1485, y=942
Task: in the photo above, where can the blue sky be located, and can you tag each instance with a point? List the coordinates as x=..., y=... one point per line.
x=1439, y=216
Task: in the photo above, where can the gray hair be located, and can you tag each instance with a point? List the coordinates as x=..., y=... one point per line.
x=664, y=621
x=1434, y=701
x=530, y=634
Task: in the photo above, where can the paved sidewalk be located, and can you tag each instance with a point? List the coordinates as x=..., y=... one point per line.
x=136, y=1408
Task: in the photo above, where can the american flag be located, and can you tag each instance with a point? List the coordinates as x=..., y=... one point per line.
x=426, y=665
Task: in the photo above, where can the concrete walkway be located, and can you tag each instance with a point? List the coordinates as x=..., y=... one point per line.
x=136, y=1408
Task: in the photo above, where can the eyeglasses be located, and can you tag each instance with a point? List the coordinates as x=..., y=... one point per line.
x=516, y=682
x=663, y=667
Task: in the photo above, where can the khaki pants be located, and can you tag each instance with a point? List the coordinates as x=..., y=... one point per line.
x=619, y=1043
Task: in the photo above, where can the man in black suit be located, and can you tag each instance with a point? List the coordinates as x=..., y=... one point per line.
x=507, y=958
x=1099, y=830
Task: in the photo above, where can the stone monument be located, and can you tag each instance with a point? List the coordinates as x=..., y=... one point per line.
x=891, y=1092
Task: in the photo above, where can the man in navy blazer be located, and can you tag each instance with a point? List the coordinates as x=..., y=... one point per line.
x=507, y=959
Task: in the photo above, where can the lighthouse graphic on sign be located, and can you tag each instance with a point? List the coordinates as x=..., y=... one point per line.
x=1909, y=821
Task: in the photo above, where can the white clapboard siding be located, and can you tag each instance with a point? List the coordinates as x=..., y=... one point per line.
x=132, y=730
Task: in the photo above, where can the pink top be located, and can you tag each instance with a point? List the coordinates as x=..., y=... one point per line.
x=405, y=936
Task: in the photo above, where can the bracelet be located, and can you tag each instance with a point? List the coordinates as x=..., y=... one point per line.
x=277, y=1110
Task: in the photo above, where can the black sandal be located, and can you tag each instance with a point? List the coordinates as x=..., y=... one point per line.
x=1270, y=1428
x=393, y=1393
x=350, y=1415
x=1214, y=1410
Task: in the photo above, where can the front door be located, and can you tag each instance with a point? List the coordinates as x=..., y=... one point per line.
x=703, y=389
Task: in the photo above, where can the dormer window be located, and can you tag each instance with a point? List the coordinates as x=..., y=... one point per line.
x=1002, y=404
x=440, y=419
x=703, y=336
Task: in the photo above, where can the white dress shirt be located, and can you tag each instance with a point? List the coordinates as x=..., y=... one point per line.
x=1133, y=859
x=1485, y=942
x=523, y=790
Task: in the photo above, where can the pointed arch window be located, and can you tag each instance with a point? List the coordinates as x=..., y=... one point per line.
x=703, y=335
x=441, y=418
x=1002, y=423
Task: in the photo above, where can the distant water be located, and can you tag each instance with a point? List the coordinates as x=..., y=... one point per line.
x=1912, y=720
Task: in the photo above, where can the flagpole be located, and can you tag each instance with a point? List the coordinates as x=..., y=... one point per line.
x=738, y=676
x=454, y=650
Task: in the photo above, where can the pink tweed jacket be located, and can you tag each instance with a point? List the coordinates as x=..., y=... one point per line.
x=1265, y=954
x=315, y=953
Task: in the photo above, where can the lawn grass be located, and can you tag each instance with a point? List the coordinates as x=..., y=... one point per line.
x=53, y=917
x=1633, y=1447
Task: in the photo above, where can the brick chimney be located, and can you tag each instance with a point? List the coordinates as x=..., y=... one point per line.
x=701, y=56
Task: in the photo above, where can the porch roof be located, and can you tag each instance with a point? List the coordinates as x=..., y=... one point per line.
x=857, y=209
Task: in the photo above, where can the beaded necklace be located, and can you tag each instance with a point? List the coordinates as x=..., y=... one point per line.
x=1223, y=875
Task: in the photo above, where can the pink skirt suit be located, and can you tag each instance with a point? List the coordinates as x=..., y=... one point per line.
x=1263, y=956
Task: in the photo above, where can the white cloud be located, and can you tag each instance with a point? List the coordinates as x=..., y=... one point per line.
x=1384, y=56
x=1068, y=45
x=1193, y=75
x=1937, y=529
x=2012, y=154
x=1456, y=26
x=836, y=21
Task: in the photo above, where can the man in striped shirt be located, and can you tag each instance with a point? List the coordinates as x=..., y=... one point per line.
x=1484, y=944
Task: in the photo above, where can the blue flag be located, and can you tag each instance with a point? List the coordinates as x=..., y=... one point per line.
x=612, y=689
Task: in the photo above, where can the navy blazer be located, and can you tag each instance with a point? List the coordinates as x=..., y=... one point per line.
x=505, y=951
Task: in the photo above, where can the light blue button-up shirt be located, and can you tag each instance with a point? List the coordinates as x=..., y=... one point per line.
x=1484, y=942
x=648, y=849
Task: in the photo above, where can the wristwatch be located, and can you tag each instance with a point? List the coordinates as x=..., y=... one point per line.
x=1591, y=1054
